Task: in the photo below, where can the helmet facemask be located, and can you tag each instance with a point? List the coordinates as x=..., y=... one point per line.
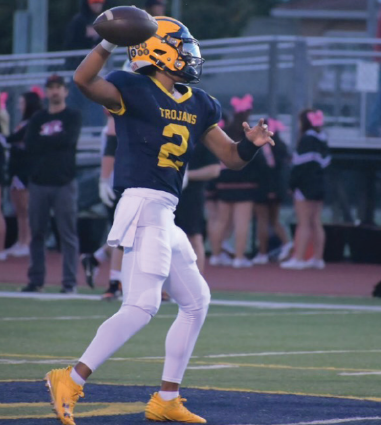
x=189, y=62
x=172, y=49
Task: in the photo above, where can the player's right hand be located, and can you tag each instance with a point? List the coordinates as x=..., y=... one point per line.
x=106, y=193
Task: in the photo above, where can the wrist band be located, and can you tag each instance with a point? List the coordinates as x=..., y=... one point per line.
x=108, y=46
x=246, y=149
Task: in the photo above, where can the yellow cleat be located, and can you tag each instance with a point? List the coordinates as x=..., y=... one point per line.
x=64, y=393
x=173, y=410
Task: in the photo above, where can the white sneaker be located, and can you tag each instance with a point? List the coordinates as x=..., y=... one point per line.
x=220, y=260
x=285, y=251
x=19, y=250
x=293, y=264
x=3, y=255
x=314, y=263
x=260, y=259
x=12, y=248
x=240, y=263
x=227, y=246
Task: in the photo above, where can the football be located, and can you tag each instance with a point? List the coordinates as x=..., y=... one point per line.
x=125, y=25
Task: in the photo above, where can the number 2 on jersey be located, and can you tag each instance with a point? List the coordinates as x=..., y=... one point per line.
x=168, y=149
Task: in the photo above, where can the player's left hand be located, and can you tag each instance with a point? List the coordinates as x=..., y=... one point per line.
x=259, y=135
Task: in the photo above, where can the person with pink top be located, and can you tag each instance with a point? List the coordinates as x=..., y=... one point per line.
x=307, y=182
x=235, y=192
x=270, y=163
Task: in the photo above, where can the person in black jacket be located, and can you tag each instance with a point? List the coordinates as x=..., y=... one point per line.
x=155, y=7
x=51, y=141
x=18, y=168
x=189, y=215
x=307, y=182
x=92, y=262
x=269, y=164
x=81, y=35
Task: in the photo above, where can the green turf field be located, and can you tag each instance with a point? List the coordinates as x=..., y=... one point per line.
x=306, y=350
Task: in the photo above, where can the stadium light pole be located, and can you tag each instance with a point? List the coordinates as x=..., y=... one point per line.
x=38, y=14
x=176, y=9
x=372, y=17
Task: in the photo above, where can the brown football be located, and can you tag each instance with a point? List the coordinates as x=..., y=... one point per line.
x=125, y=25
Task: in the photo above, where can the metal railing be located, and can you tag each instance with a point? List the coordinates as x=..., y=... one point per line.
x=283, y=73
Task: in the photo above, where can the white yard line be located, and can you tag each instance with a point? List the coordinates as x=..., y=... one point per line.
x=27, y=361
x=229, y=303
x=359, y=373
x=172, y=316
x=48, y=297
x=33, y=318
x=210, y=356
x=212, y=366
x=333, y=421
x=282, y=305
x=289, y=353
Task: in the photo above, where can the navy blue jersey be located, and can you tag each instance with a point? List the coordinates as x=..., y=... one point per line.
x=156, y=132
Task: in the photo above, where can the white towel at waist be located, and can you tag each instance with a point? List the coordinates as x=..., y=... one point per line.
x=128, y=212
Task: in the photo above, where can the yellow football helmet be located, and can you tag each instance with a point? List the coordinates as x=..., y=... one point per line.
x=171, y=49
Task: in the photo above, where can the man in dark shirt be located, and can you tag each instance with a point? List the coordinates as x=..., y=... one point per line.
x=51, y=141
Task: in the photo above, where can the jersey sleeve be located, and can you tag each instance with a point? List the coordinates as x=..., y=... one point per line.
x=213, y=113
x=123, y=81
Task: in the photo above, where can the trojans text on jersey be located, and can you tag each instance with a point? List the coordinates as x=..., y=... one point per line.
x=178, y=115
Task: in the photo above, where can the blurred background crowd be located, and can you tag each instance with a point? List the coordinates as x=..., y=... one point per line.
x=311, y=68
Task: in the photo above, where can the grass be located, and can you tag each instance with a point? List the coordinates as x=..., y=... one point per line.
x=31, y=334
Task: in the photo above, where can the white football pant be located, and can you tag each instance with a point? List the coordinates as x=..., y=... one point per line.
x=157, y=253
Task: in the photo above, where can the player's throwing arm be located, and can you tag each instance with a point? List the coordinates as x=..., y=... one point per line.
x=119, y=26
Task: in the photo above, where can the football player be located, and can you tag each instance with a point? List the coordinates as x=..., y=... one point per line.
x=92, y=262
x=158, y=121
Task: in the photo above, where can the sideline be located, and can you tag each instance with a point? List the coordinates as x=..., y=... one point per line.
x=228, y=303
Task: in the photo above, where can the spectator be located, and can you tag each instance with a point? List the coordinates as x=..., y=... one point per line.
x=51, y=140
x=235, y=194
x=18, y=169
x=269, y=164
x=155, y=7
x=211, y=208
x=80, y=35
x=308, y=185
x=4, y=131
x=203, y=166
x=92, y=262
